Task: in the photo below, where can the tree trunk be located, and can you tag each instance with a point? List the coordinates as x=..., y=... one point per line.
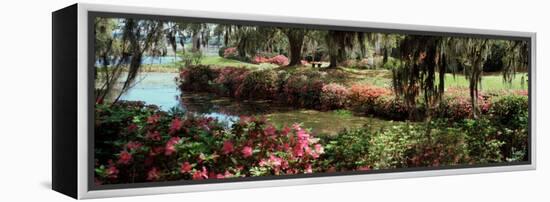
x=333, y=61
x=196, y=41
x=295, y=41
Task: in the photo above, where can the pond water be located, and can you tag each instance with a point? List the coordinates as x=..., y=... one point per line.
x=160, y=89
x=152, y=60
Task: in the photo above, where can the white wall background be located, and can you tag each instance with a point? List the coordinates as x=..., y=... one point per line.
x=25, y=98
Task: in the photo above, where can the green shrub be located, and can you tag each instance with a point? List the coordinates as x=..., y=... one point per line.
x=191, y=58
x=511, y=115
x=197, y=78
x=221, y=51
x=390, y=107
x=348, y=150
x=388, y=148
x=511, y=111
x=483, y=141
x=418, y=145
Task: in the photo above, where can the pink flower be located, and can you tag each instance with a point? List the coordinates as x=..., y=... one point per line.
x=247, y=151
x=186, y=167
x=298, y=150
x=227, y=147
x=175, y=125
x=155, y=136
x=285, y=131
x=199, y=175
x=275, y=161
x=124, y=157
x=156, y=150
x=153, y=119
x=112, y=172
x=153, y=174
x=227, y=174
x=308, y=169
x=270, y=130
x=170, y=148
x=132, y=145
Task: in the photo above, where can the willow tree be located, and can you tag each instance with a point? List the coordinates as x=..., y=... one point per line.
x=383, y=42
x=472, y=54
x=425, y=60
x=421, y=58
x=108, y=53
x=246, y=39
x=339, y=42
x=515, y=59
x=139, y=37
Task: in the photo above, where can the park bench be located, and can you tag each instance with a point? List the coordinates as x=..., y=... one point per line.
x=318, y=63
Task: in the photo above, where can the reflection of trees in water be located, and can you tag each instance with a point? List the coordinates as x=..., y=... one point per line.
x=206, y=103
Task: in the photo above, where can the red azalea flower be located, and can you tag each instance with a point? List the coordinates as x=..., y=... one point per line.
x=131, y=145
x=175, y=125
x=153, y=174
x=112, y=172
x=124, y=157
x=285, y=130
x=247, y=151
x=199, y=175
x=227, y=147
x=298, y=150
x=270, y=130
x=155, y=136
x=156, y=150
x=132, y=127
x=186, y=167
x=170, y=148
x=153, y=119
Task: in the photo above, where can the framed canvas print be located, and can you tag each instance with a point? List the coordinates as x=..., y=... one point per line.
x=149, y=101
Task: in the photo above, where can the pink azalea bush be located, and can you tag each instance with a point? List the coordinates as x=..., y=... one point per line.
x=280, y=60
x=303, y=90
x=334, y=96
x=230, y=80
x=365, y=97
x=260, y=84
x=260, y=59
x=457, y=104
x=195, y=148
x=310, y=89
x=230, y=52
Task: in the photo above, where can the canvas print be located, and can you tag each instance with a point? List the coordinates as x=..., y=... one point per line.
x=187, y=100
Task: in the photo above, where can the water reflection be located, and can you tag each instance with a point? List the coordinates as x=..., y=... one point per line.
x=160, y=89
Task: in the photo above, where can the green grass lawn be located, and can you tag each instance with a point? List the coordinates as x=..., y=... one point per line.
x=489, y=82
x=223, y=62
x=383, y=77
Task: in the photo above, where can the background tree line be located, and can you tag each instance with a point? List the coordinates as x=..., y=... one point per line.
x=419, y=65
